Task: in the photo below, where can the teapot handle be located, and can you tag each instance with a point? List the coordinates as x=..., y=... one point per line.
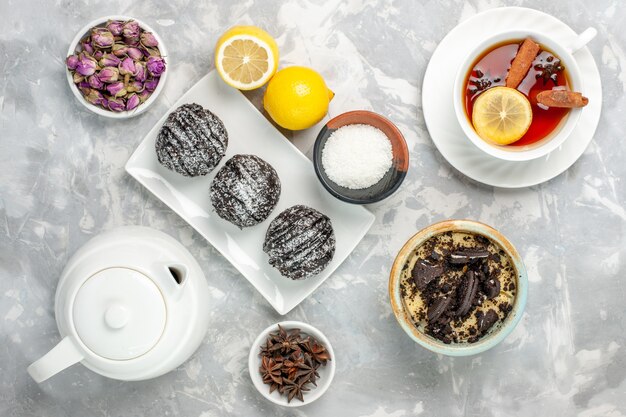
x=63, y=355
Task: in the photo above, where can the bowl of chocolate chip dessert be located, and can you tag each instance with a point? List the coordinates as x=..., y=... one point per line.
x=458, y=287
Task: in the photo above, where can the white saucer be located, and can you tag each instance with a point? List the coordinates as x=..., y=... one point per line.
x=444, y=128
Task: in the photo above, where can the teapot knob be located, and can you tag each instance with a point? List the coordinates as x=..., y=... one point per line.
x=116, y=316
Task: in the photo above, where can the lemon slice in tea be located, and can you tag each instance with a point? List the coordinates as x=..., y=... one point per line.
x=246, y=57
x=502, y=115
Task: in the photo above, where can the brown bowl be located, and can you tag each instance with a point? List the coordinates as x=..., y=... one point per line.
x=392, y=178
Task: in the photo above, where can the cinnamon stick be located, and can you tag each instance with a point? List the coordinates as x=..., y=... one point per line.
x=562, y=98
x=521, y=63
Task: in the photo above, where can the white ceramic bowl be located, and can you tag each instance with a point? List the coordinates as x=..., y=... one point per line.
x=326, y=372
x=562, y=132
x=97, y=109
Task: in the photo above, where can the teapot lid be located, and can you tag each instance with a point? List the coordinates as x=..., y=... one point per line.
x=119, y=313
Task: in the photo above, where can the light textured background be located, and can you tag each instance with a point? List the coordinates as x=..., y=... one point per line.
x=62, y=181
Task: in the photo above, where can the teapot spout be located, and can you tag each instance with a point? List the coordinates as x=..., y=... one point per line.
x=63, y=355
x=171, y=277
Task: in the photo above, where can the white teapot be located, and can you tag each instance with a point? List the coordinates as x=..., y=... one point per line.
x=131, y=304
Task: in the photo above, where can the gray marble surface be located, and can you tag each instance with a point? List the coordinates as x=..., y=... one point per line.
x=62, y=181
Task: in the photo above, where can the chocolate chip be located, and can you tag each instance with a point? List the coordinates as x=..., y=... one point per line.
x=467, y=292
x=485, y=321
x=480, y=275
x=424, y=272
x=465, y=256
x=438, y=307
x=491, y=287
x=485, y=270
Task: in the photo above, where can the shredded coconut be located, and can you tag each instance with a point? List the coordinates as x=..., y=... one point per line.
x=357, y=156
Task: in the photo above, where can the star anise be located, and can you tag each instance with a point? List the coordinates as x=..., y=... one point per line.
x=292, y=364
x=295, y=390
x=317, y=351
x=271, y=371
x=285, y=341
x=307, y=371
x=265, y=349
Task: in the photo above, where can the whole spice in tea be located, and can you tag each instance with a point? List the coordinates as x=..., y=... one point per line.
x=290, y=360
x=117, y=66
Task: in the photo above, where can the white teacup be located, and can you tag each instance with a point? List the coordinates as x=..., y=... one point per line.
x=564, y=50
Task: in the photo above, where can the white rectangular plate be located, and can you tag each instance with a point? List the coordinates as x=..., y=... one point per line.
x=249, y=133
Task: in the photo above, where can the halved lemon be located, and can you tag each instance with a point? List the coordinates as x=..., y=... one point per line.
x=502, y=115
x=246, y=57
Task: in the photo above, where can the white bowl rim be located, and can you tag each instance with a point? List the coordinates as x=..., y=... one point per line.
x=567, y=126
x=97, y=109
x=254, y=362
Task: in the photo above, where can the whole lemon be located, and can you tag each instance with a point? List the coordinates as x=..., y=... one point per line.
x=297, y=98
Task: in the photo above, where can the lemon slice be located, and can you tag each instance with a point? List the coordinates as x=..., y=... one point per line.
x=246, y=57
x=502, y=115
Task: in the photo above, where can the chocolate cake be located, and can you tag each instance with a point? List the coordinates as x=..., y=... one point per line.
x=192, y=141
x=245, y=190
x=300, y=242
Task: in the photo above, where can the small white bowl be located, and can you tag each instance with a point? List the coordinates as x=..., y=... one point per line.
x=326, y=372
x=97, y=109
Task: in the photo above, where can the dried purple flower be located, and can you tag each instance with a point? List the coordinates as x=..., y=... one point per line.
x=109, y=60
x=144, y=95
x=108, y=74
x=119, y=49
x=148, y=52
x=134, y=53
x=71, y=62
x=116, y=104
x=116, y=89
x=115, y=27
x=155, y=66
x=102, y=38
x=95, y=82
x=132, y=101
x=131, y=30
x=98, y=55
x=86, y=46
x=134, y=87
x=127, y=66
x=148, y=39
x=140, y=71
x=86, y=65
x=151, y=84
x=77, y=78
x=95, y=97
